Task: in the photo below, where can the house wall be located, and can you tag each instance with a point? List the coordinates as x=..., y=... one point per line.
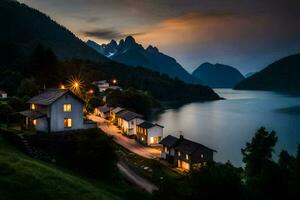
x=57, y=114
x=207, y=156
x=155, y=131
x=41, y=124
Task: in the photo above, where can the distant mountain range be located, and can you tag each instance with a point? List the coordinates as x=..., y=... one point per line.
x=218, y=75
x=249, y=74
x=23, y=28
x=131, y=53
x=283, y=74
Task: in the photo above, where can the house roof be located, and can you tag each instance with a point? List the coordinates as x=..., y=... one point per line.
x=182, y=144
x=104, y=109
x=169, y=141
x=49, y=96
x=128, y=115
x=32, y=114
x=189, y=146
x=148, y=125
x=117, y=110
x=2, y=92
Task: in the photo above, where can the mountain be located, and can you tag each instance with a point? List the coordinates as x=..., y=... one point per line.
x=283, y=74
x=131, y=53
x=218, y=75
x=23, y=28
x=249, y=74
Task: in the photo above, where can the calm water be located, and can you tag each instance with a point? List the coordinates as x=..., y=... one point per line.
x=227, y=125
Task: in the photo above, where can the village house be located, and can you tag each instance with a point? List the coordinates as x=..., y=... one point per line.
x=114, y=112
x=3, y=94
x=102, y=85
x=102, y=111
x=56, y=110
x=128, y=120
x=149, y=133
x=185, y=154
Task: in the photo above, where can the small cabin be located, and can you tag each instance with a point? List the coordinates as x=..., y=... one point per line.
x=128, y=120
x=102, y=111
x=148, y=133
x=102, y=85
x=185, y=154
x=56, y=110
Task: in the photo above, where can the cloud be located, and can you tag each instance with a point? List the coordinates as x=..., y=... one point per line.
x=108, y=34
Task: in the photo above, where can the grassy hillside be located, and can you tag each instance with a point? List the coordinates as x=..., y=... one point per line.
x=22, y=177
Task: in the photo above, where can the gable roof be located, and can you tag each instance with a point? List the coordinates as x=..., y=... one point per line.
x=169, y=141
x=189, y=146
x=49, y=96
x=147, y=125
x=117, y=110
x=128, y=115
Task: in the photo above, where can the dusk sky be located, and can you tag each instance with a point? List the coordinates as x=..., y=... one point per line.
x=247, y=34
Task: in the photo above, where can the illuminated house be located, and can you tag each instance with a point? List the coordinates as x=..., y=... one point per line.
x=185, y=154
x=114, y=112
x=128, y=120
x=56, y=110
x=148, y=133
x=102, y=111
x=3, y=94
x=102, y=85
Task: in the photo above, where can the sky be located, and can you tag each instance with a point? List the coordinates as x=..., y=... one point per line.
x=246, y=34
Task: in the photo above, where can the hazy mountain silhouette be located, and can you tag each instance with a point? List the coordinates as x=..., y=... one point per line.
x=218, y=75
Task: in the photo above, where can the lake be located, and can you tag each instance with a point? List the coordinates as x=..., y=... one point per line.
x=227, y=125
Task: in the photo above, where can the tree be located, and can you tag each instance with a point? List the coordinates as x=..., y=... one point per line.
x=28, y=87
x=258, y=152
x=5, y=110
x=93, y=103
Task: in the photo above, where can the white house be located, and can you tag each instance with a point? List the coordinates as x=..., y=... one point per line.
x=102, y=85
x=56, y=110
x=3, y=95
x=102, y=111
x=148, y=133
x=114, y=112
x=128, y=120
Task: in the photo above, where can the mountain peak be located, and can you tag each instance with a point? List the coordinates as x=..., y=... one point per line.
x=152, y=49
x=129, y=39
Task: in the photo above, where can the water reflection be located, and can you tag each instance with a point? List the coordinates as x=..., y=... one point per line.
x=227, y=125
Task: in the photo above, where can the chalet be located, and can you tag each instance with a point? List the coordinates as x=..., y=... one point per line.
x=114, y=112
x=56, y=110
x=102, y=111
x=185, y=154
x=3, y=95
x=148, y=133
x=128, y=120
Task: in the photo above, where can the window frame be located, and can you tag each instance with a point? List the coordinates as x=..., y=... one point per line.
x=66, y=106
x=66, y=122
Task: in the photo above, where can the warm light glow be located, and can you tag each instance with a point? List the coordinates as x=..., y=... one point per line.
x=186, y=156
x=179, y=153
x=91, y=91
x=34, y=122
x=33, y=106
x=114, y=81
x=151, y=140
x=67, y=122
x=62, y=87
x=67, y=107
x=75, y=84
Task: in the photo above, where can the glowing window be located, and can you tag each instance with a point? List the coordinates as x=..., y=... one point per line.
x=166, y=149
x=202, y=156
x=34, y=122
x=67, y=107
x=179, y=153
x=67, y=122
x=33, y=106
x=186, y=156
x=151, y=140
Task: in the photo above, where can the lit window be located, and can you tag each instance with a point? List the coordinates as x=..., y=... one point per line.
x=67, y=107
x=166, y=149
x=33, y=106
x=179, y=153
x=34, y=122
x=67, y=122
x=142, y=139
x=202, y=156
x=151, y=140
x=186, y=156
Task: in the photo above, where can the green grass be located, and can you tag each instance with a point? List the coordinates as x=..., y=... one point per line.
x=22, y=177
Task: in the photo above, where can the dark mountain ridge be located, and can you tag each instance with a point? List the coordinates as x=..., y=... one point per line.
x=25, y=28
x=218, y=75
x=283, y=74
x=129, y=52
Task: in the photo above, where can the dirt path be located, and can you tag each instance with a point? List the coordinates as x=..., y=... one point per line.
x=127, y=143
x=135, y=178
